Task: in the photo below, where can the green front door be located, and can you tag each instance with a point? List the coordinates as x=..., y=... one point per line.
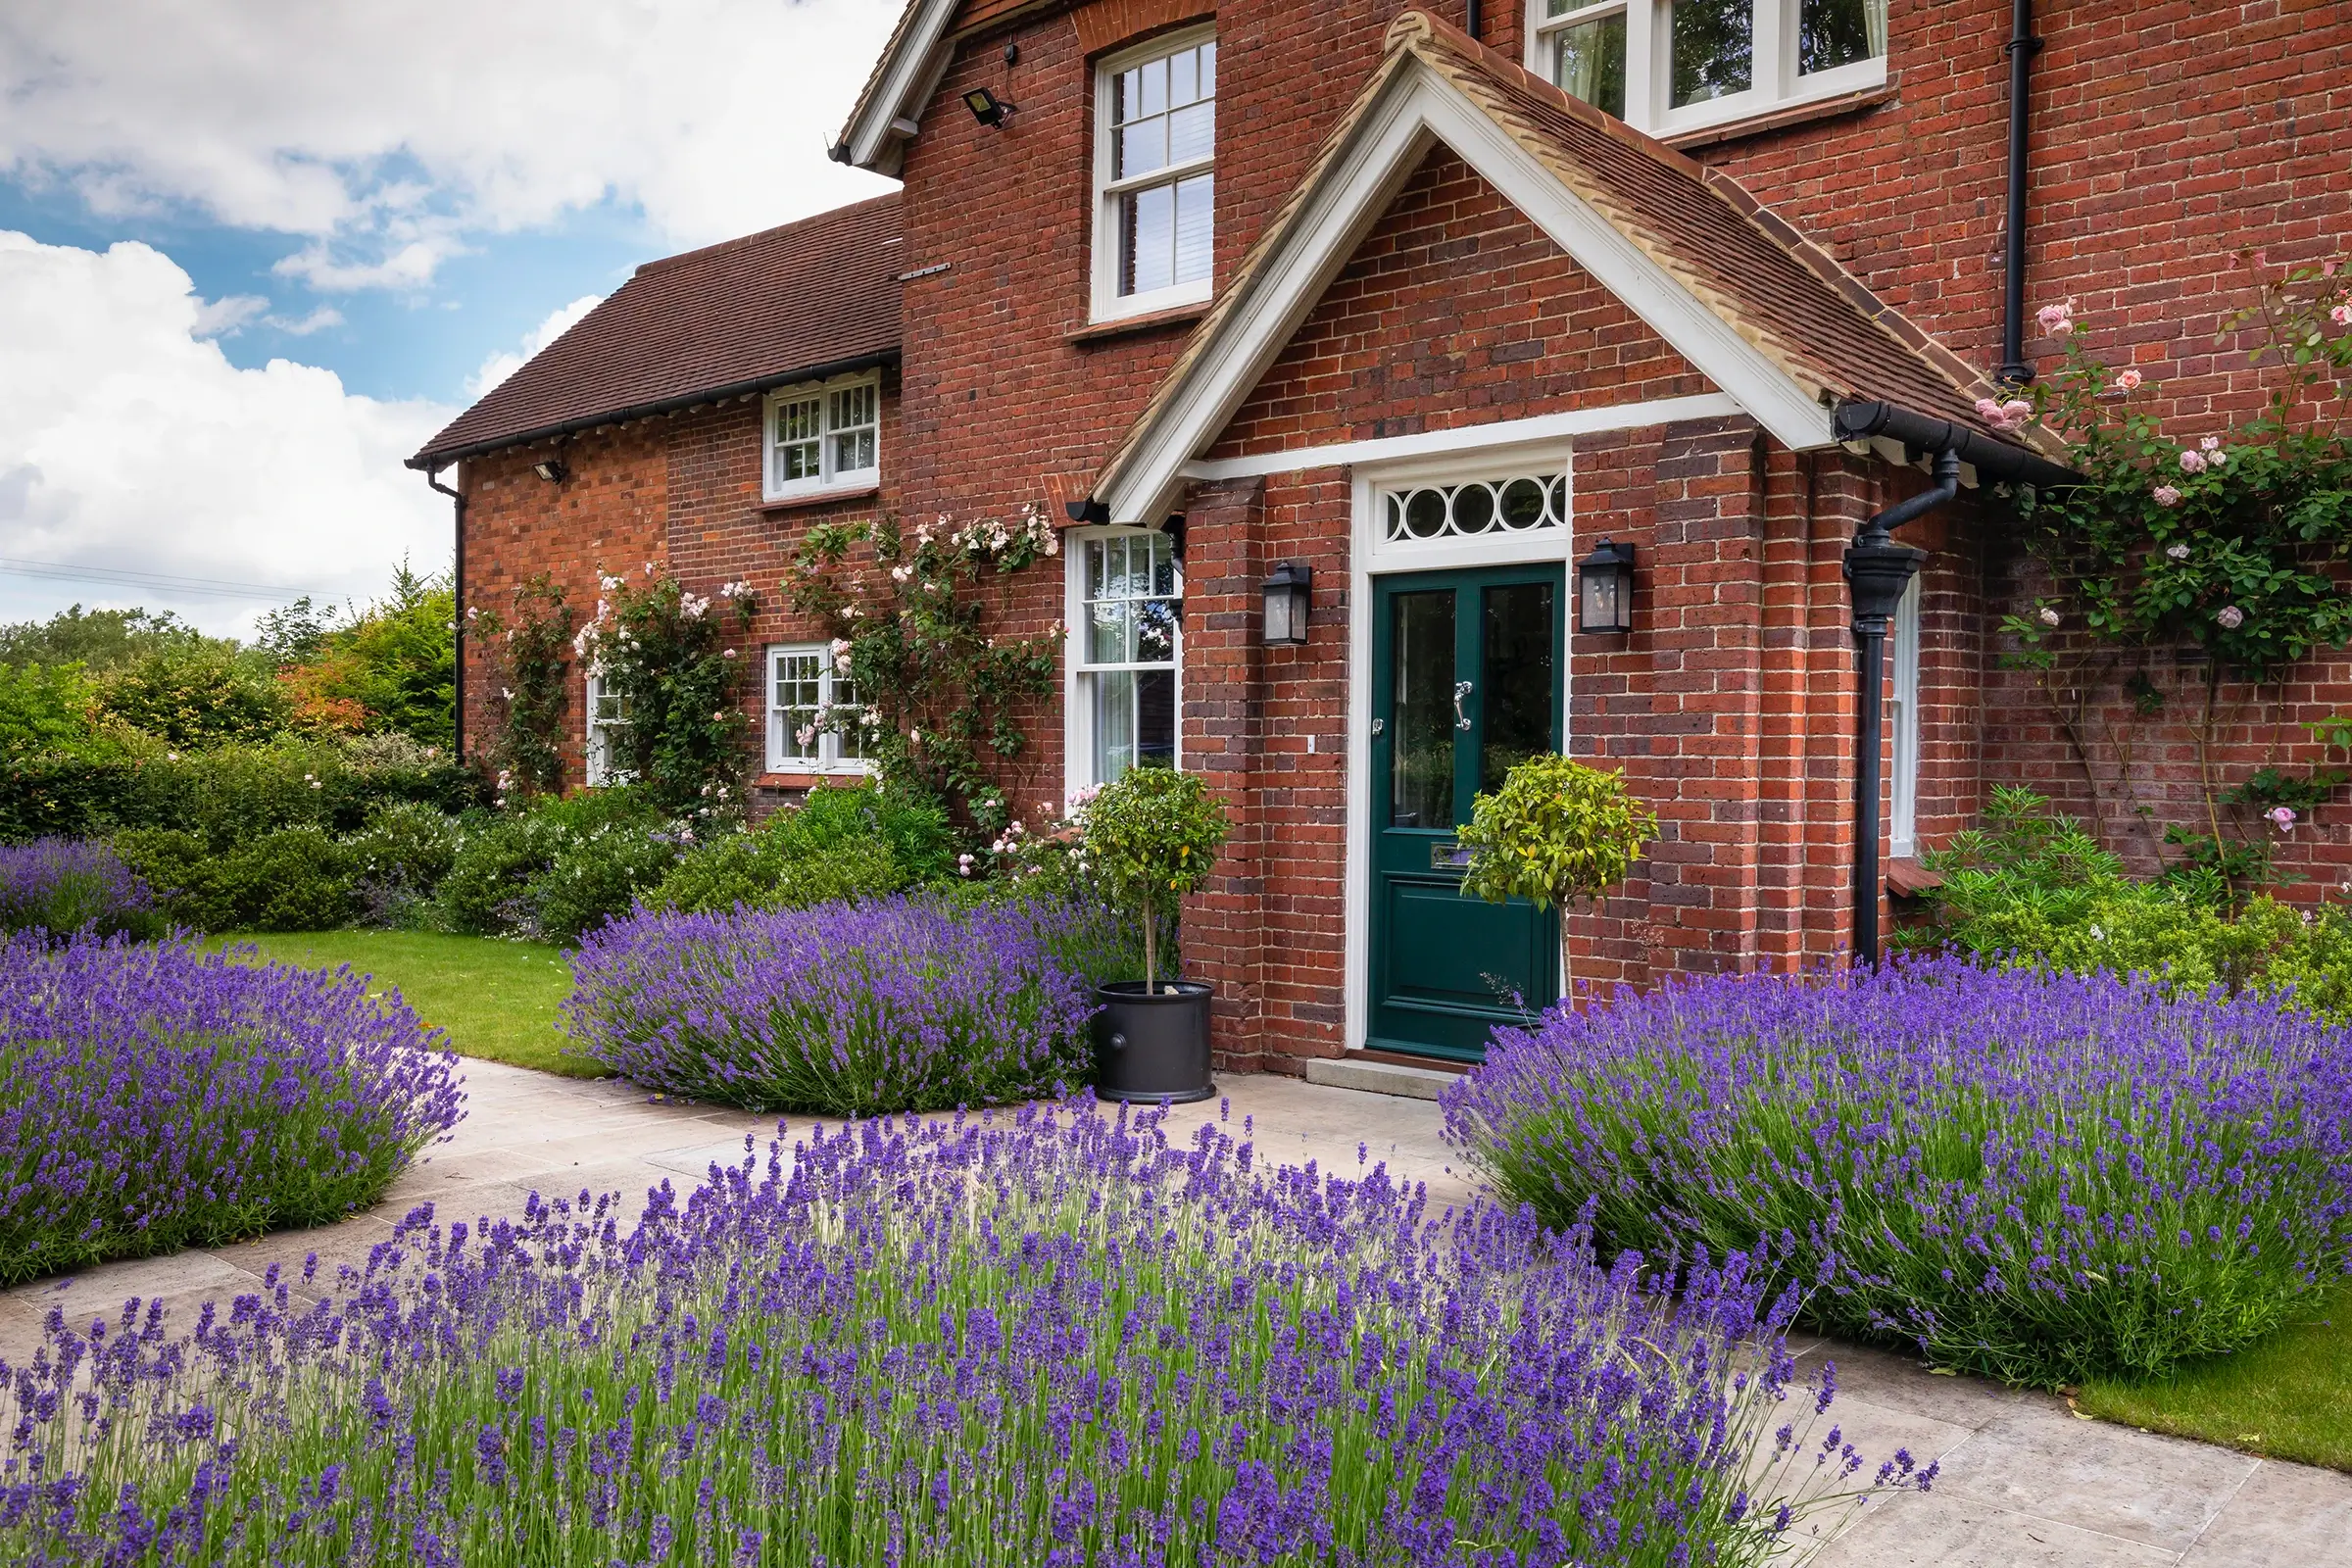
x=1465, y=684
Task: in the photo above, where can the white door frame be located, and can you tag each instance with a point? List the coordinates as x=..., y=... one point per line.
x=1368, y=558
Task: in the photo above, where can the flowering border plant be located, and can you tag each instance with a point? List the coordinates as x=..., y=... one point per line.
x=942, y=700
x=995, y=1343
x=2231, y=542
x=534, y=693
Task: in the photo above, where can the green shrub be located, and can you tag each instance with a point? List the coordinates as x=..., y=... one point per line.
x=2032, y=890
x=197, y=694
x=228, y=794
x=399, y=859
x=1555, y=832
x=913, y=825
x=46, y=709
x=600, y=876
x=845, y=842
x=295, y=879
x=1150, y=838
x=492, y=886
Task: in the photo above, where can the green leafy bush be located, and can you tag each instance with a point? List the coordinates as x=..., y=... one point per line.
x=228, y=794
x=45, y=708
x=843, y=842
x=294, y=879
x=1555, y=832
x=600, y=876
x=494, y=886
x=197, y=694
x=399, y=857
x=2031, y=889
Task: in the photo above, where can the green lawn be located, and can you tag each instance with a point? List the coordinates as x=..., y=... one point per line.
x=2287, y=1398
x=497, y=999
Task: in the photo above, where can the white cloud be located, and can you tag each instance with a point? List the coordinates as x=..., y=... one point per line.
x=229, y=316
x=386, y=134
x=506, y=362
x=131, y=442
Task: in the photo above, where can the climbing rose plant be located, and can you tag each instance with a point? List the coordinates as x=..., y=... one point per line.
x=533, y=691
x=940, y=698
x=661, y=651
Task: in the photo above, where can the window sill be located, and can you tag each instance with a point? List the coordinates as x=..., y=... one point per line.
x=811, y=779
x=1784, y=117
x=819, y=498
x=1146, y=322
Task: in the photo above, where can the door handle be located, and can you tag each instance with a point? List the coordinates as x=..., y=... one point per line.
x=1461, y=689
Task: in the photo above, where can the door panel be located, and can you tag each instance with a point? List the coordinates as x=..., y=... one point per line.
x=1466, y=683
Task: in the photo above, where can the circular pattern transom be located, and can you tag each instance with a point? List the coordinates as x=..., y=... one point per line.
x=1474, y=510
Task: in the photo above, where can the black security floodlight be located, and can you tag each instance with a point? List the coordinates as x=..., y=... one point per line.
x=551, y=469
x=987, y=108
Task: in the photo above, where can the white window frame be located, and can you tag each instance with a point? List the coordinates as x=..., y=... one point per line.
x=830, y=479
x=1902, y=816
x=1078, y=711
x=1109, y=304
x=1649, y=63
x=828, y=758
x=596, y=738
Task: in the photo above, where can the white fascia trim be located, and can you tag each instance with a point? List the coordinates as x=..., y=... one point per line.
x=1471, y=438
x=910, y=77
x=1421, y=108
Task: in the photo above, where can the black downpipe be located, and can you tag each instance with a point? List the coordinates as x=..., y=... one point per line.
x=1877, y=571
x=457, y=600
x=1471, y=20
x=2020, y=49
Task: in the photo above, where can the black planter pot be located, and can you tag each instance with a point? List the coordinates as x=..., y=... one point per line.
x=1153, y=1048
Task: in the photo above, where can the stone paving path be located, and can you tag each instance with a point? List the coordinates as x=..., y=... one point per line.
x=2025, y=1481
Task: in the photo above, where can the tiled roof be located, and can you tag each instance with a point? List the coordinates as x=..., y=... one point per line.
x=814, y=296
x=1780, y=292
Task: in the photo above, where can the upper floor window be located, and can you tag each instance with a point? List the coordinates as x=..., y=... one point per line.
x=1155, y=144
x=825, y=436
x=1669, y=66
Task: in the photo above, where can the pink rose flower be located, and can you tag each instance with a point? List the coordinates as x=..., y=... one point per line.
x=2192, y=462
x=2284, y=816
x=2167, y=496
x=2230, y=616
x=2341, y=315
x=2056, y=319
x=2129, y=381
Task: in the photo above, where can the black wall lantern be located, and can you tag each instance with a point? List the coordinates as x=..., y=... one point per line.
x=1604, y=590
x=1285, y=605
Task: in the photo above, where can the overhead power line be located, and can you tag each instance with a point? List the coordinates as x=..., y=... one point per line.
x=160, y=582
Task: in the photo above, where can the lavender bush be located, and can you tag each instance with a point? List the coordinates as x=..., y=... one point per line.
x=856, y=1009
x=2038, y=1177
x=61, y=886
x=1050, y=1340
x=158, y=1097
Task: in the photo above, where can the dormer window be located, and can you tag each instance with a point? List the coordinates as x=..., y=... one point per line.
x=1673, y=65
x=824, y=438
x=1155, y=136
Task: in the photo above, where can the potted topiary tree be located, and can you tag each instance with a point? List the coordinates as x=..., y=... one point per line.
x=1555, y=832
x=1148, y=840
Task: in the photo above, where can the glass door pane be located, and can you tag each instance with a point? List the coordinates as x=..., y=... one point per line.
x=1516, y=686
x=1421, y=783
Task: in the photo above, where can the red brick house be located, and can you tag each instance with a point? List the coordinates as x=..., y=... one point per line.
x=1429, y=305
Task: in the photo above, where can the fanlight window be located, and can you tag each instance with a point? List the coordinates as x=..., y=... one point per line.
x=1474, y=510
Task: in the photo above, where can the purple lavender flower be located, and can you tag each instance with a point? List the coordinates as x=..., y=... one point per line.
x=1048, y=1337
x=2039, y=1177
x=67, y=885
x=156, y=1097
x=846, y=1010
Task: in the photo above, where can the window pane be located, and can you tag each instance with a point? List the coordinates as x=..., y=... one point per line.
x=1155, y=632
x=797, y=686
x=1114, y=724
x=1096, y=552
x=1714, y=49
x=1421, y=779
x=1561, y=8
x=1588, y=62
x=1192, y=132
x=1151, y=94
x=853, y=406
x=1516, y=708
x=1164, y=565
x=1143, y=147
x=1107, y=634
x=1839, y=32
x=854, y=451
x=1184, y=78
x=1155, y=717
x=1147, y=254
x=1195, y=199
x=850, y=744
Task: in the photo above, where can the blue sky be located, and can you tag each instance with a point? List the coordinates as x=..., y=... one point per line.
x=254, y=252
